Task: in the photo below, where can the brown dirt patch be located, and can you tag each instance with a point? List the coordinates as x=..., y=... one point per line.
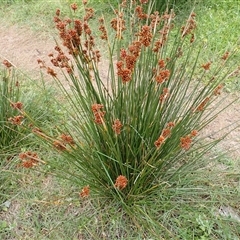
x=23, y=47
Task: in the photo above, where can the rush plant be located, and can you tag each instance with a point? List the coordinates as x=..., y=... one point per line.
x=134, y=124
x=18, y=97
x=10, y=120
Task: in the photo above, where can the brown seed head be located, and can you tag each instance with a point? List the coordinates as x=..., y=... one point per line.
x=58, y=12
x=194, y=133
x=16, y=120
x=6, y=63
x=67, y=139
x=185, y=142
x=74, y=7
x=225, y=56
x=59, y=145
x=85, y=192
x=206, y=66
x=117, y=125
x=17, y=105
x=158, y=143
x=217, y=90
x=121, y=182
x=203, y=104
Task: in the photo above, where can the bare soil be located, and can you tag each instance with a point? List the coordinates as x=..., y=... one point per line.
x=23, y=47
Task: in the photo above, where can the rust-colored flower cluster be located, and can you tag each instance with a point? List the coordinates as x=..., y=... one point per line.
x=124, y=73
x=140, y=13
x=16, y=120
x=218, y=89
x=206, y=66
x=164, y=33
x=118, y=24
x=121, y=182
x=89, y=13
x=145, y=35
x=189, y=27
x=159, y=142
x=29, y=159
x=85, y=192
x=161, y=74
x=161, y=63
x=50, y=71
x=128, y=60
x=70, y=36
x=167, y=18
x=225, y=56
x=6, y=63
x=123, y=4
x=98, y=113
x=77, y=37
x=61, y=61
x=17, y=105
x=186, y=142
x=117, y=126
x=166, y=132
x=134, y=51
x=155, y=20
x=164, y=95
x=74, y=7
x=102, y=28
x=67, y=139
x=202, y=105
x=158, y=45
x=62, y=142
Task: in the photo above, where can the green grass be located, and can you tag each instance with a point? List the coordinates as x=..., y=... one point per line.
x=43, y=207
x=217, y=24
x=38, y=15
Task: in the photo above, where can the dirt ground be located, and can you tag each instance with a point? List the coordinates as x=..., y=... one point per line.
x=23, y=47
